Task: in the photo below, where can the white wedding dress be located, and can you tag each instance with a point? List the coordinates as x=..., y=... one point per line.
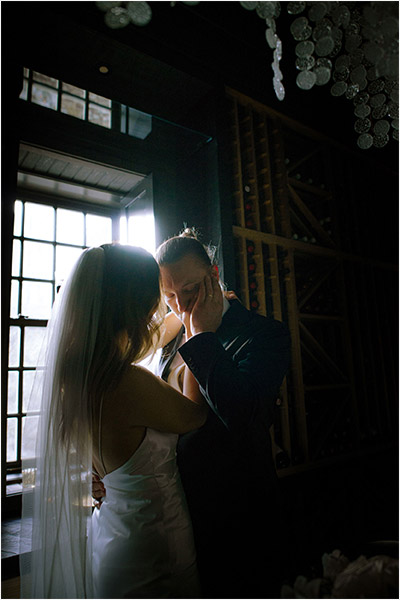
x=142, y=534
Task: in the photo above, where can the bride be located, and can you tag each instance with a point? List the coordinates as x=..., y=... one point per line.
x=100, y=409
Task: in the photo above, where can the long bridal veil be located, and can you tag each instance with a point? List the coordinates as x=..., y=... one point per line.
x=57, y=482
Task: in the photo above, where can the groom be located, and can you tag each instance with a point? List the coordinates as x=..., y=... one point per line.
x=239, y=359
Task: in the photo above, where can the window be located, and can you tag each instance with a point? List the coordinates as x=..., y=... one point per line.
x=82, y=104
x=47, y=241
x=69, y=99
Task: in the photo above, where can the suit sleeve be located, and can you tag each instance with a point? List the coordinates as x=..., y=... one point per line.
x=240, y=390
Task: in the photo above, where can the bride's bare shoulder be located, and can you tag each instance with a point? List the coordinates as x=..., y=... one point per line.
x=148, y=401
x=135, y=383
x=138, y=374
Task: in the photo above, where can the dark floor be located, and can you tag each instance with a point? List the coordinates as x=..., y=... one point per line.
x=12, y=545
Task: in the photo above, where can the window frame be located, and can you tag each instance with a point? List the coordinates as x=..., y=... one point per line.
x=122, y=117
x=113, y=108
x=12, y=470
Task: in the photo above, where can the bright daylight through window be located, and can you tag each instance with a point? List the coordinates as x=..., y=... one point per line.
x=47, y=241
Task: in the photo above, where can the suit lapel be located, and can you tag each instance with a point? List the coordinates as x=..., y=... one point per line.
x=228, y=333
x=232, y=324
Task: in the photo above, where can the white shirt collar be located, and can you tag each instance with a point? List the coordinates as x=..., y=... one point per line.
x=226, y=306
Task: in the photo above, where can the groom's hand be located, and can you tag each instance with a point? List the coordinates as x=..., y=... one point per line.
x=98, y=490
x=206, y=314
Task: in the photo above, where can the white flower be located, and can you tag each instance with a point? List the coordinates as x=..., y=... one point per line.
x=375, y=577
x=333, y=564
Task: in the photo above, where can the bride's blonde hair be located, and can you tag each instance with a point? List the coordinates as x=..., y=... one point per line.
x=130, y=315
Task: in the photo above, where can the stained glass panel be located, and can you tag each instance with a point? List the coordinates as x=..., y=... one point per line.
x=99, y=115
x=45, y=79
x=24, y=92
x=100, y=100
x=72, y=106
x=72, y=89
x=44, y=96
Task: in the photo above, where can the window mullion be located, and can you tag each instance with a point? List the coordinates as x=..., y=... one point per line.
x=86, y=106
x=19, y=419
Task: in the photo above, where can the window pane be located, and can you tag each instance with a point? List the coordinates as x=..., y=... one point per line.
x=14, y=306
x=14, y=347
x=65, y=260
x=123, y=230
x=100, y=100
x=18, y=217
x=73, y=106
x=44, y=96
x=140, y=124
x=69, y=226
x=34, y=337
x=37, y=299
x=11, y=440
x=16, y=258
x=24, y=92
x=141, y=232
x=39, y=221
x=12, y=396
x=100, y=116
x=29, y=431
x=28, y=378
x=98, y=230
x=38, y=260
x=44, y=79
x=72, y=89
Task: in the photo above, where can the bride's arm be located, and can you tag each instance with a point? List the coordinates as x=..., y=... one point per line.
x=158, y=405
x=170, y=328
x=191, y=388
x=168, y=331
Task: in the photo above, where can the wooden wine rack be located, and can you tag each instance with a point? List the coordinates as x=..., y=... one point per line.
x=297, y=258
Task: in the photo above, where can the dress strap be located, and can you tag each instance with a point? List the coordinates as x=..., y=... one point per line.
x=99, y=440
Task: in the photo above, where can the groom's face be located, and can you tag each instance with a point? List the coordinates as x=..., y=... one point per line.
x=180, y=282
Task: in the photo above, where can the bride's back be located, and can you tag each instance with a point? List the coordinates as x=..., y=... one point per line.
x=140, y=400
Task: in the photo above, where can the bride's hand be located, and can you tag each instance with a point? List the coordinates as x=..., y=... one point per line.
x=98, y=490
x=230, y=295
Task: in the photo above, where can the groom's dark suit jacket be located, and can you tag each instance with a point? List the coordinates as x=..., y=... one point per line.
x=226, y=466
